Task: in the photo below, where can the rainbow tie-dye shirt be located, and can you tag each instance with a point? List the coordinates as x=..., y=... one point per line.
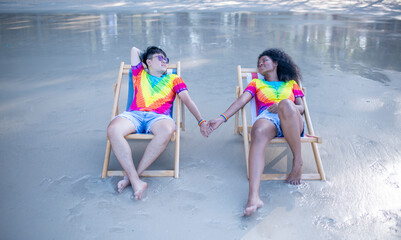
x=153, y=94
x=268, y=93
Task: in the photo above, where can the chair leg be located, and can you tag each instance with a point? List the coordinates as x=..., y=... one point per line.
x=246, y=146
x=246, y=139
x=106, y=159
x=236, y=123
x=177, y=155
x=318, y=161
x=236, y=126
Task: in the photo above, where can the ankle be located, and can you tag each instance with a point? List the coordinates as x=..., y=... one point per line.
x=253, y=197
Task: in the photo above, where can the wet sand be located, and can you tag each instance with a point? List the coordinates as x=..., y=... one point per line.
x=57, y=71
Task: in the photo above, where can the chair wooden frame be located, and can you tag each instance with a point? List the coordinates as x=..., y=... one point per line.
x=310, y=136
x=179, y=121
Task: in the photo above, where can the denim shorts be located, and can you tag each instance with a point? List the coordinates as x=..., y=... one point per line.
x=143, y=121
x=273, y=117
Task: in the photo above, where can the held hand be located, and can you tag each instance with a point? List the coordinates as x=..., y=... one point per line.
x=215, y=123
x=205, y=129
x=273, y=108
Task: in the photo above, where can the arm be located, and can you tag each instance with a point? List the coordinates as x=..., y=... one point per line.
x=235, y=107
x=299, y=105
x=186, y=99
x=135, y=59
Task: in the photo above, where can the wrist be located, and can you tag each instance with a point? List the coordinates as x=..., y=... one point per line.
x=224, y=117
x=200, y=122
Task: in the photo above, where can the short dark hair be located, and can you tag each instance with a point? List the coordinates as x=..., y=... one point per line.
x=149, y=52
x=286, y=68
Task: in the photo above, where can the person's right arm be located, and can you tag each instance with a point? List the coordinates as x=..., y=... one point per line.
x=135, y=59
x=235, y=107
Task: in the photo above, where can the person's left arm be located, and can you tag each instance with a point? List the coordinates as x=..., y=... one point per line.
x=298, y=94
x=299, y=105
x=186, y=99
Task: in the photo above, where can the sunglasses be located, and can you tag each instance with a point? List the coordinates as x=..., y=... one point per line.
x=162, y=58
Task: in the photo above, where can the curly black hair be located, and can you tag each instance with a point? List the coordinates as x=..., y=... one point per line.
x=286, y=68
x=149, y=52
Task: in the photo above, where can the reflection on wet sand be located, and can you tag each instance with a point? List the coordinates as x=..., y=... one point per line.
x=360, y=46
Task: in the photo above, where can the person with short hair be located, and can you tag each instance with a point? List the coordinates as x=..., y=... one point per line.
x=149, y=112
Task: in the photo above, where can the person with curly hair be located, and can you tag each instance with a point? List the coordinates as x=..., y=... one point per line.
x=278, y=97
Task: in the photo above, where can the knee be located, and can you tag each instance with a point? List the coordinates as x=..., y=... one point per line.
x=259, y=131
x=170, y=130
x=167, y=132
x=286, y=108
x=112, y=130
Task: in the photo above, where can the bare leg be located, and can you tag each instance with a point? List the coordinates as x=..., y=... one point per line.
x=263, y=131
x=116, y=131
x=163, y=131
x=292, y=126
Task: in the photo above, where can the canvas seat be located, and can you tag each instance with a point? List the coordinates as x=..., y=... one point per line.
x=125, y=70
x=246, y=75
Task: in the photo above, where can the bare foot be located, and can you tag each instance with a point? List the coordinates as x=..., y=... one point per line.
x=139, y=189
x=252, y=206
x=121, y=185
x=295, y=175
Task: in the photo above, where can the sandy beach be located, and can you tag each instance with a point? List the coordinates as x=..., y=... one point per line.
x=59, y=61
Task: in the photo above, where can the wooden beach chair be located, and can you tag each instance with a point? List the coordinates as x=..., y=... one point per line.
x=246, y=75
x=125, y=70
